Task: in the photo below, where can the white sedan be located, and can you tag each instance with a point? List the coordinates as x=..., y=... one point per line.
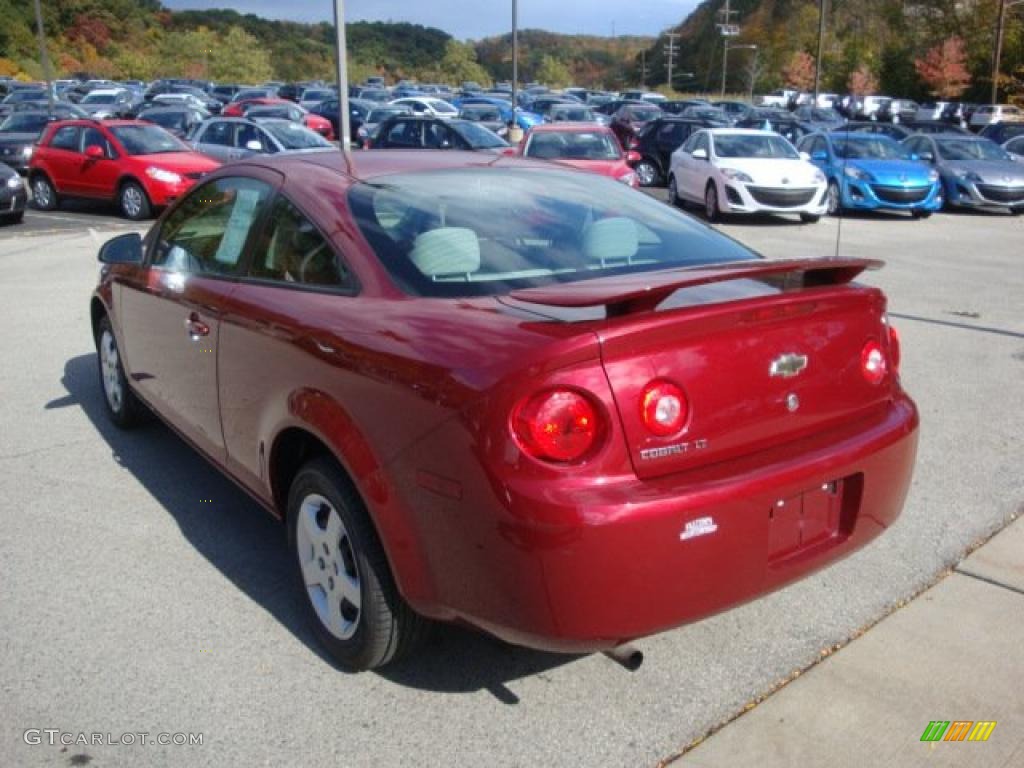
x=732, y=170
x=427, y=105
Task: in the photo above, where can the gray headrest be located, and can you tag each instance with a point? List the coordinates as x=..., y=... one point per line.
x=446, y=251
x=612, y=238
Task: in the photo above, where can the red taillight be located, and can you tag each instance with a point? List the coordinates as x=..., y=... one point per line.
x=894, y=349
x=556, y=425
x=663, y=408
x=872, y=362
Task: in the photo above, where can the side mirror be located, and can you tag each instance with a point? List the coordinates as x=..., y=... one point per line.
x=95, y=152
x=123, y=249
x=254, y=146
x=928, y=157
x=699, y=154
x=804, y=156
x=820, y=155
x=633, y=157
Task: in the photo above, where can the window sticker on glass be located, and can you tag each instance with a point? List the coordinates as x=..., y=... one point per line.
x=237, y=230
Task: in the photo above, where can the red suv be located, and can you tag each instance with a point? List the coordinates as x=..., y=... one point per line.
x=138, y=164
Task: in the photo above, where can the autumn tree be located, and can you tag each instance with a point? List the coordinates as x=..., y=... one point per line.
x=552, y=72
x=799, y=71
x=944, y=69
x=862, y=81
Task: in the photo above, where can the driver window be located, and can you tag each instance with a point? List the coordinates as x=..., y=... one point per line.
x=207, y=232
x=247, y=133
x=296, y=252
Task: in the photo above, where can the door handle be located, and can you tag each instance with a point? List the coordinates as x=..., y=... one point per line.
x=196, y=328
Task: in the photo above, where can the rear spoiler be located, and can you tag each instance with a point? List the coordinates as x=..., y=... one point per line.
x=643, y=291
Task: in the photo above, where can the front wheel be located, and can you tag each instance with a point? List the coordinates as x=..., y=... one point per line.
x=809, y=218
x=349, y=594
x=834, y=203
x=918, y=213
x=711, y=210
x=673, y=193
x=134, y=201
x=123, y=408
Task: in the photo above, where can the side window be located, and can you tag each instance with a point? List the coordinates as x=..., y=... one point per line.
x=702, y=143
x=404, y=133
x=92, y=136
x=207, y=232
x=218, y=133
x=66, y=138
x=247, y=133
x=296, y=252
x=437, y=136
x=691, y=144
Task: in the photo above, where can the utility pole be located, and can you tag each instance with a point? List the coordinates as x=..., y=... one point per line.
x=343, y=115
x=1000, y=30
x=728, y=29
x=670, y=52
x=817, y=59
x=514, y=131
x=643, y=69
x=44, y=57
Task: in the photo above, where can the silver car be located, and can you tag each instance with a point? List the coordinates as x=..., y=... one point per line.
x=486, y=115
x=976, y=172
x=233, y=138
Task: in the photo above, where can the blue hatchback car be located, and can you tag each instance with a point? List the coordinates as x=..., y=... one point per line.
x=869, y=171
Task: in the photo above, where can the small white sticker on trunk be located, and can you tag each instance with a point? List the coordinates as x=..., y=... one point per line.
x=702, y=526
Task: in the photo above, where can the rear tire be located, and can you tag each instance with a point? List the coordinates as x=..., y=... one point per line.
x=647, y=173
x=14, y=218
x=348, y=592
x=134, y=202
x=44, y=194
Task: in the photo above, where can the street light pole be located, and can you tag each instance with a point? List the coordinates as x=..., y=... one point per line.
x=514, y=131
x=343, y=117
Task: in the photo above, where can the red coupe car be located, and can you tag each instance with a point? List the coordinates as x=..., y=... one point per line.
x=587, y=146
x=138, y=165
x=521, y=397
x=294, y=112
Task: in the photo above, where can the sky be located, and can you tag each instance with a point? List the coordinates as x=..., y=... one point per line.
x=592, y=17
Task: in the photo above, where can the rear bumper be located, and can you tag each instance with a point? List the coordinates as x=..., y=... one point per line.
x=588, y=567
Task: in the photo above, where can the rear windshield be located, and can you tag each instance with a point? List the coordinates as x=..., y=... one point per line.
x=471, y=232
x=567, y=145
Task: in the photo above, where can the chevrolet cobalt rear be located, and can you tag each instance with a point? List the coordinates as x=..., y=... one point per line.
x=521, y=398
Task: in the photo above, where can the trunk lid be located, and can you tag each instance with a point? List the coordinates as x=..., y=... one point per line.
x=765, y=352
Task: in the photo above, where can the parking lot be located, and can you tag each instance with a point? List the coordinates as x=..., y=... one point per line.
x=144, y=593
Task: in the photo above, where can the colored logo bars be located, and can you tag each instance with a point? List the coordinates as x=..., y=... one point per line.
x=958, y=730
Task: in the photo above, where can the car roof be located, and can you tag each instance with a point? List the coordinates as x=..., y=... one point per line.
x=739, y=132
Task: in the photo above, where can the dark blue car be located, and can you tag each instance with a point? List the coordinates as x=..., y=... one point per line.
x=868, y=171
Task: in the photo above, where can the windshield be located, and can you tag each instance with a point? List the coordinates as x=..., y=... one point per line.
x=21, y=122
x=480, y=113
x=970, y=149
x=442, y=107
x=379, y=115
x=873, y=148
x=317, y=95
x=566, y=145
x=146, y=139
x=579, y=115
x=641, y=114
x=478, y=136
x=757, y=146
x=294, y=136
x=16, y=96
x=503, y=229
x=100, y=98
x=251, y=93
x=170, y=120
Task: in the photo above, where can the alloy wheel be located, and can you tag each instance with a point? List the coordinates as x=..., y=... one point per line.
x=109, y=362
x=131, y=200
x=646, y=173
x=329, y=569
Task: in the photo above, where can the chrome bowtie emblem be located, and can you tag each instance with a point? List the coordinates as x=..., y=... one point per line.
x=788, y=365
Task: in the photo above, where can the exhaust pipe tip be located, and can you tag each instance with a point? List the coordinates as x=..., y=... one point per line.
x=626, y=655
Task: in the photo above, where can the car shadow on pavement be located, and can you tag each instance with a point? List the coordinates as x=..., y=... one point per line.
x=248, y=547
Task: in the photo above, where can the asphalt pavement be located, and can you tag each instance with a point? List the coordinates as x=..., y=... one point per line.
x=143, y=593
